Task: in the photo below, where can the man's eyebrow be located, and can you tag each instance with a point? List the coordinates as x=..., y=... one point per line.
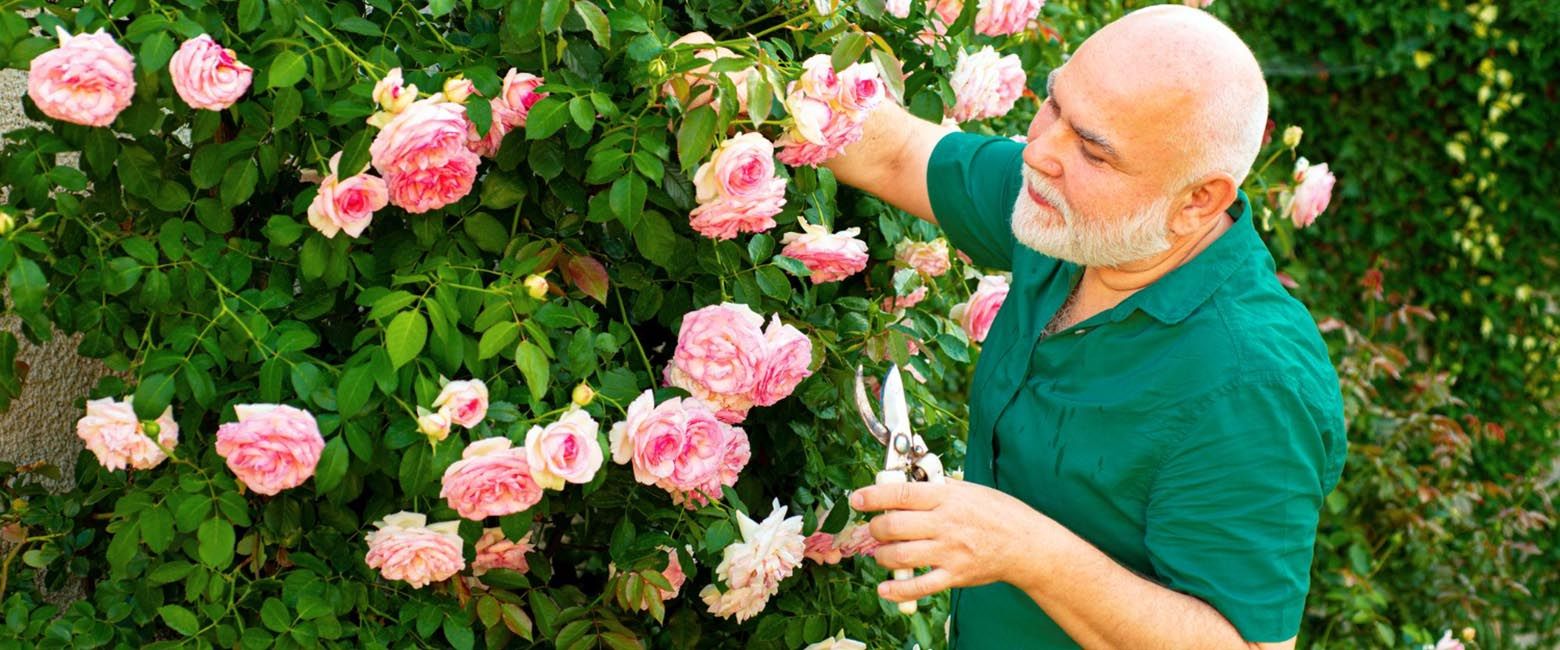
x=1089, y=136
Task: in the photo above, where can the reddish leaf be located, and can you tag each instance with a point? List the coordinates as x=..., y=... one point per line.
x=589, y=275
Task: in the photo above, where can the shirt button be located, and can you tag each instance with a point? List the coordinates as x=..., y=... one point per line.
x=1081, y=331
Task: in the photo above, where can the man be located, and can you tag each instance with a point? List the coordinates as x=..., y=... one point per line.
x=1154, y=422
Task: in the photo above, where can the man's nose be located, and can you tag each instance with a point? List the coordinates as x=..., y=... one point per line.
x=1040, y=152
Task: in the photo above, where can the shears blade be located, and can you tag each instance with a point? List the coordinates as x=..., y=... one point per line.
x=896, y=412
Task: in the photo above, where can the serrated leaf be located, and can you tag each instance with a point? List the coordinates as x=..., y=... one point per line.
x=179, y=619
x=848, y=49
x=487, y=232
x=497, y=339
x=216, y=543
x=332, y=465
x=357, y=385
x=405, y=337
x=238, y=182
x=152, y=396
x=157, y=528
x=155, y=51
x=583, y=113
x=535, y=367
x=286, y=69
x=588, y=274
x=695, y=136
x=595, y=21
x=545, y=118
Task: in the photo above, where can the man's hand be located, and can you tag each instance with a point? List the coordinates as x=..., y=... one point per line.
x=969, y=534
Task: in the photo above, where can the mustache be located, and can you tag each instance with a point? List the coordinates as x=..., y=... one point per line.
x=1034, y=181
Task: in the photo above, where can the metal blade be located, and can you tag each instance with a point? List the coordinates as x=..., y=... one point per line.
x=896, y=412
x=864, y=407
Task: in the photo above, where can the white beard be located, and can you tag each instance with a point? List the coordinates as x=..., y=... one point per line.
x=1088, y=240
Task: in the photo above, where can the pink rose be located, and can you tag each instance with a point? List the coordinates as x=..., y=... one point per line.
x=946, y=11
x=347, y=205
x=856, y=539
x=767, y=553
x=519, y=95
x=208, y=76
x=820, y=548
x=702, y=84
x=565, y=450
x=88, y=80
x=743, y=603
x=673, y=573
x=896, y=303
x=737, y=189
x=488, y=145
x=818, y=79
x=840, y=132
x=426, y=135
x=861, y=90
x=492, y=478
x=116, y=437
x=787, y=361
x=731, y=408
x=1003, y=17
x=985, y=84
x=829, y=256
x=272, y=447
x=433, y=188
x=496, y=552
x=392, y=95
x=467, y=401
x=839, y=642
x=1313, y=191
x=721, y=347
x=929, y=258
x=679, y=445
x=976, y=315
x=897, y=8
x=651, y=436
x=435, y=425
x=1448, y=643
x=404, y=548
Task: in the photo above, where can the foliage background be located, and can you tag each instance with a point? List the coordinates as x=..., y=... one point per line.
x=188, y=263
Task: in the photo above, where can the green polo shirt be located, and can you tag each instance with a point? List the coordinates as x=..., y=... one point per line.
x=1190, y=432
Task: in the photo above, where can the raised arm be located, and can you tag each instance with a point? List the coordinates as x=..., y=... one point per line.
x=889, y=161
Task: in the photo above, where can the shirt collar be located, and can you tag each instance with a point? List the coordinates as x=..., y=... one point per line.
x=1173, y=297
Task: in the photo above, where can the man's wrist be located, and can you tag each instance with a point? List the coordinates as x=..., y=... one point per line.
x=1045, y=547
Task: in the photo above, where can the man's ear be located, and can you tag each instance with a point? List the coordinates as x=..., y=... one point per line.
x=1202, y=202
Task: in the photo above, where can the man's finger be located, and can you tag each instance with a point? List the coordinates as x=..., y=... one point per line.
x=903, y=525
x=916, y=588
x=907, y=555
x=897, y=496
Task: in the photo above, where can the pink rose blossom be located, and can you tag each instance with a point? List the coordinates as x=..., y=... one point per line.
x=787, y=361
x=519, y=95
x=829, y=256
x=467, y=401
x=392, y=94
x=742, y=603
x=731, y=408
x=820, y=548
x=404, y=548
x=492, y=478
x=433, y=188
x=1003, y=17
x=1312, y=193
x=861, y=90
x=819, y=80
x=496, y=552
x=702, y=84
x=721, y=347
x=896, y=303
x=423, y=136
x=838, y=642
x=897, y=8
x=856, y=539
x=272, y=447
x=434, y=424
x=976, y=315
x=673, y=573
x=88, y=80
x=929, y=258
x=208, y=76
x=564, y=451
x=680, y=446
x=943, y=14
x=820, y=133
x=114, y=435
x=737, y=189
x=1448, y=643
x=347, y=205
x=488, y=145
x=985, y=84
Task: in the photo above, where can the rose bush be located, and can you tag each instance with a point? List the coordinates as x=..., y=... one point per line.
x=574, y=229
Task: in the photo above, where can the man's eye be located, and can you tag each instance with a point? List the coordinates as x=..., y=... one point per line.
x=1090, y=157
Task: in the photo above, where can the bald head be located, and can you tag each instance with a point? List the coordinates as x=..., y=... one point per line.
x=1184, y=74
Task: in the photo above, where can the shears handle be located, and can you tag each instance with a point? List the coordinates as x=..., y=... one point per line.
x=886, y=477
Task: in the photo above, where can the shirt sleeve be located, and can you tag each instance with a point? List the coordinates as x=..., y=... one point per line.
x=1232, y=515
x=972, y=181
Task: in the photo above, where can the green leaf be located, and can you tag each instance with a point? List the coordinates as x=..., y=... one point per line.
x=553, y=13
x=155, y=52
x=500, y=191
x=121, y=275
x=122, y=549
x=250, y=13
x=696, y=136
x=893, y=72
x=213, y=215
x=595, y=21
x=488, y=610
x=792, y=265
x=848, y=49
x=649, y=165
x=487, y=232
x=405, y=337
x=179, y=619
x=216, y=542
x=717, y=536
x=100, y=149
x=357, y=385
x=137, y=172
x=773, y=283
x=545, y=118
x=313, y=256
x=654, y=238
x=275, y=615
x=440, y=8
x=287, y=69
x=534, y=365
x=157, y=528
x=238, y=182
x=760, y=247
x=497, y=339
x=27, y=286
x=169, y=572
x=837, y=519
x=481, y=115
x=627, y=197
x=152, y=396
x=516, y=620
x=356, y=25
x=332, y=466
x=458, y=633
x=354, y=155
x=583, y=113
x=285, y=108
x=760, y=99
